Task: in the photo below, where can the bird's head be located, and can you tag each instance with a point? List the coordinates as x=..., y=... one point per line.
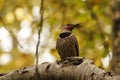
x=70, y=27
x=67, y=29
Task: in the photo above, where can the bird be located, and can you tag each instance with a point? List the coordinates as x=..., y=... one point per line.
x=67, y=44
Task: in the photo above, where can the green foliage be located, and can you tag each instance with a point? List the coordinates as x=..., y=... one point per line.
x=56, y=14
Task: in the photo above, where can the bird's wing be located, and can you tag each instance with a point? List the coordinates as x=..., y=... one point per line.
x=76, y=46
x=77, y=50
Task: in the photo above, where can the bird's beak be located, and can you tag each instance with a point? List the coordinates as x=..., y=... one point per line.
x=77, y=25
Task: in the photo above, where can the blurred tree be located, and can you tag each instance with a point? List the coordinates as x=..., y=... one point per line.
x=115, y=63
x=21, y=17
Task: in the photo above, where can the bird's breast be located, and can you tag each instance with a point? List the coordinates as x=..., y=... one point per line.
x=65, y=44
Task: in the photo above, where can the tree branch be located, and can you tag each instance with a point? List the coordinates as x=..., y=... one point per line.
x=10, y=31
x=71, y=69
x=4, y=24
x=39, y=32
x=95, y=17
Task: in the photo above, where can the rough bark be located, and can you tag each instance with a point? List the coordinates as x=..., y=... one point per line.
x=71, y=69
x=115, y=63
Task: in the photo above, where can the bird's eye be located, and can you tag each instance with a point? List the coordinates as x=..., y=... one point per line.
x=69, y=24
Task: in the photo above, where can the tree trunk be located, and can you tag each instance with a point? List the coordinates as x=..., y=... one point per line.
x=115, y=63
x=71, y=69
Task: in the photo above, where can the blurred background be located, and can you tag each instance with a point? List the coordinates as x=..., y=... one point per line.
x=19, y=21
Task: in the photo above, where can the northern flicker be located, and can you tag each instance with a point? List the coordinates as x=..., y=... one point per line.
x=67, y=45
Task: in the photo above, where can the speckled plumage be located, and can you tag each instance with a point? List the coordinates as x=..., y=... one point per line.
x=67, y=46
